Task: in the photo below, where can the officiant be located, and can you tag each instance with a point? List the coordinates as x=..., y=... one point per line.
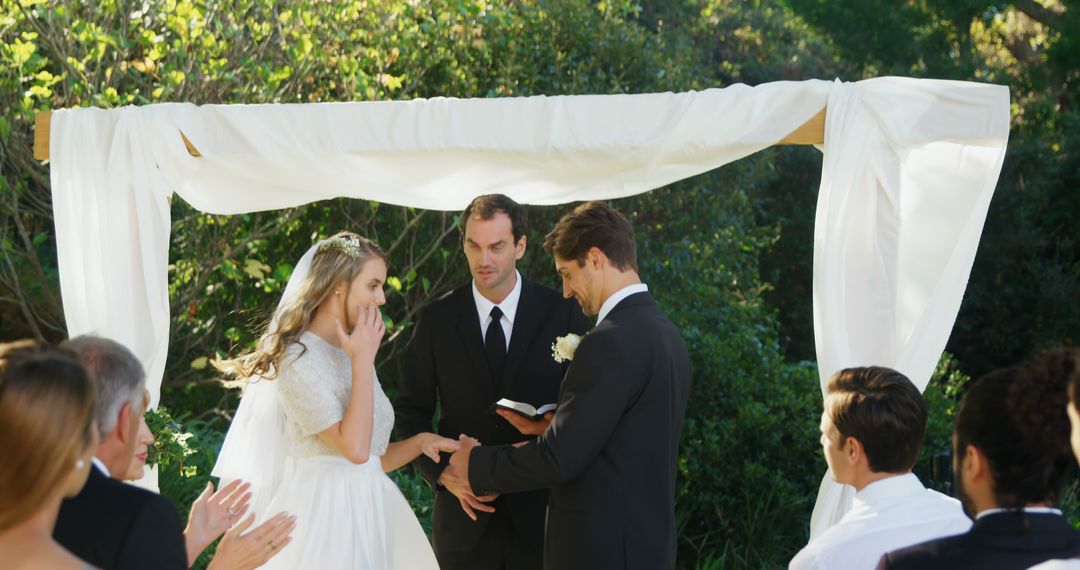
x=487, y=340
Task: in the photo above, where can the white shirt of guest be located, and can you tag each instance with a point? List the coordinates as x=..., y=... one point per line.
x=617, y=296
x=1071, y=564
x=886, y=515
x=101, y=466
x=508, y=307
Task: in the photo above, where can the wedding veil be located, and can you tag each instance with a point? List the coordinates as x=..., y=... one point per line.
x=256, y=446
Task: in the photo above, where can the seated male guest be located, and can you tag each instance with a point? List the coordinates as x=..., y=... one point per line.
x=1010, y=457
x=1069, y=360
x=113, y=525
x=871, y=431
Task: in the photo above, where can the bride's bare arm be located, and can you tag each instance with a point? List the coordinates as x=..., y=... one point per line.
x=400, y=453
x=351, y=437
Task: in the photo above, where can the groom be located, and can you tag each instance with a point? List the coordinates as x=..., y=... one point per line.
x=610, y=453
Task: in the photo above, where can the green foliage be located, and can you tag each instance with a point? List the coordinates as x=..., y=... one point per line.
x=171, y=446
x=943, y=394
x=727, y=254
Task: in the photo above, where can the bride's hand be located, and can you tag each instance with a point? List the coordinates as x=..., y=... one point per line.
x=432, y=444
x=366, y=335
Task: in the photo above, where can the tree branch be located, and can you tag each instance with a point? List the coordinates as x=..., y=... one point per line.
x=1039, y=13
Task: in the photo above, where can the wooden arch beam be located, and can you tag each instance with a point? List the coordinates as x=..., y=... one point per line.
x=811, y=132
x=42, y=122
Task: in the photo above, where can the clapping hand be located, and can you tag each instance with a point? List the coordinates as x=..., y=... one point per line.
x=213, y=513
x=240, y=551
x=455, y=478
x=363, y=340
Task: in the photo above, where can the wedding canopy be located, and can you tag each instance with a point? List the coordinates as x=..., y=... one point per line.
x=909, y=169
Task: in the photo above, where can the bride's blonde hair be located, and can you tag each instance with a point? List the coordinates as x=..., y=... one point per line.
x=338, y=259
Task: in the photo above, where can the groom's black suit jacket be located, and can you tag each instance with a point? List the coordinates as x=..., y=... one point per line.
x=998, y=541
x=610, y=453
x=446, y=365
x=113, y=525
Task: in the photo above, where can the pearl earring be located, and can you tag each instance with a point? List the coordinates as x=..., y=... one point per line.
x=79, y=464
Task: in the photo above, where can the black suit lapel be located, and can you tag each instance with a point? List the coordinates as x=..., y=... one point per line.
x=526, y=320
x=469, y=330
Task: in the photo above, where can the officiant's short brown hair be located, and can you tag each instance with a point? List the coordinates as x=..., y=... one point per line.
x=485, y=207
x=882, y=409
x=594, y=224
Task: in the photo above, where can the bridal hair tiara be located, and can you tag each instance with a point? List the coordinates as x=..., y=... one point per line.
x=349, y=245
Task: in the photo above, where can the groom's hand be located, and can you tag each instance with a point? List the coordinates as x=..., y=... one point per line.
x=525, y=425
x=455, y=478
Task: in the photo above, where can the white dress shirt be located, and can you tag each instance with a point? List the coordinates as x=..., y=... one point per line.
x=508, y=306
x=617, y=296
x=1039, y=510
x=101, y=466
x=1071, y=564
x=886, y=515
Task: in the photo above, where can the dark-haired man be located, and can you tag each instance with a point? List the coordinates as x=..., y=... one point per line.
x=1010, y=457
x=871, y=431
x=611, y=451
x=487, y=340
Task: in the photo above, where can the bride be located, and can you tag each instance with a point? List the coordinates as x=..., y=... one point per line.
x=312, y=433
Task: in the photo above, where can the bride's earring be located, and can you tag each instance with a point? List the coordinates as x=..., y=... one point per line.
x=79, y=464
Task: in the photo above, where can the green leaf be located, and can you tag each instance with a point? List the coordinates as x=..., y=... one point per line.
x=283, y=272
x=200, y=363
x=256, y=268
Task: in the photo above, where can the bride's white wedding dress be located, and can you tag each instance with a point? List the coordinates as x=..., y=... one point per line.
x=348, y=516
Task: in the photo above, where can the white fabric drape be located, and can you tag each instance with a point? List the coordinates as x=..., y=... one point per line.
x=111, y=210
x=906, y=183
x=909, y=168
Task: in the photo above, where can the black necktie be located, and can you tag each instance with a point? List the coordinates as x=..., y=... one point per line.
x=495, y=343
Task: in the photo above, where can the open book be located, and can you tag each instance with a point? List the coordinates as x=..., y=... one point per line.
x=523, y=409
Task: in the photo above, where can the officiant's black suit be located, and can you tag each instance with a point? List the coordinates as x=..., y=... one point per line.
x=114, y=525
x=610, y=453
x=999, y=541
x=446, y=366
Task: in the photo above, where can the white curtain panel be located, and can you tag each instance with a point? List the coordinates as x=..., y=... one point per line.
x=906, y=183
x=910, y=166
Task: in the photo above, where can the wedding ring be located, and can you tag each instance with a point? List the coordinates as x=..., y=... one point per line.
x=232, y=513
x=273, y=546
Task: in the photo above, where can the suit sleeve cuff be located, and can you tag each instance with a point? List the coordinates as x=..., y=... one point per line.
x=430, y=470
x=482, y=469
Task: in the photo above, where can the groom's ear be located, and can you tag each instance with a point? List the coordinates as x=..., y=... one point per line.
x=595, y=257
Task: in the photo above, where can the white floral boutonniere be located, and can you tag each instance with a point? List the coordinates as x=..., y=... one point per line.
x=562, y=350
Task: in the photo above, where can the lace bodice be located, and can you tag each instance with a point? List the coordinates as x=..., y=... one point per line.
x=315, y=386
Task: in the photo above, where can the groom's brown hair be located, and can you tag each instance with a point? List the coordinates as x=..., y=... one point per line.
x=594, y=224
x=882, y=409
